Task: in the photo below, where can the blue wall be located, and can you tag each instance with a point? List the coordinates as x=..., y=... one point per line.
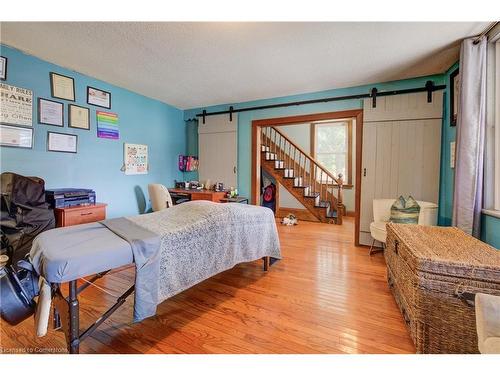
x=245, y=118
x=490, y=230
x=448, y=135
x=98, y=161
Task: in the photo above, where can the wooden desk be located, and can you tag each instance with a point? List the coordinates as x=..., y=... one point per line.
x=75, y=215
x=196, y=195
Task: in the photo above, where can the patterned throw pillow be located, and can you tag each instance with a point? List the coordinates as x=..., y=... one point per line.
x=405, y=211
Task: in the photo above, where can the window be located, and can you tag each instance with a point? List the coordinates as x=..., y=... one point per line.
x=496, y=111
x=332, y=147
x=492, y=137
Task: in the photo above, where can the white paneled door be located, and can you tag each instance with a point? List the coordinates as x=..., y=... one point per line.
x=401, y=152
x=217, y=141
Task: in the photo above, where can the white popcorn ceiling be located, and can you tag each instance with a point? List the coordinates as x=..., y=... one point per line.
x=199, y=64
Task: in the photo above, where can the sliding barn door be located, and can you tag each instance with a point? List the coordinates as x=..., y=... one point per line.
x=218, y=141
x=401, y=151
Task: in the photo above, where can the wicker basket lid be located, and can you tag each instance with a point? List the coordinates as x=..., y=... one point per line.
x=449, y=251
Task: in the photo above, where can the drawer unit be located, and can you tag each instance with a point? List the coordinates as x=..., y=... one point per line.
x=69, y=216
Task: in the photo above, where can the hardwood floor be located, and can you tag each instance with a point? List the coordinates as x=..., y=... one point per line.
x=325, y=296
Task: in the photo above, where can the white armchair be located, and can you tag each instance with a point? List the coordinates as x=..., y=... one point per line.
x=382, y=214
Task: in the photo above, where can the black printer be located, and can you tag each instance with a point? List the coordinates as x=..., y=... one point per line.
x=68, y=197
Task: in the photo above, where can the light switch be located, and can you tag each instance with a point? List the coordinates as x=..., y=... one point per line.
x=452, y=155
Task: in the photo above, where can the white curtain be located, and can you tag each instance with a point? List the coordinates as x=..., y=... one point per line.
x=471, y=124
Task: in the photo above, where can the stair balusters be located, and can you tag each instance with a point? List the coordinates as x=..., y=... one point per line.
x=306, y=173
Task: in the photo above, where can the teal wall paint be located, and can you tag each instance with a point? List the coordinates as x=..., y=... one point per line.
x=191, y=146
x=98, y=161
x=245, y=118
x=447, y=177
x=490, y=230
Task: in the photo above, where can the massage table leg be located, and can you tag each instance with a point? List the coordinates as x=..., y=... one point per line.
x=266, y=263
x=68, y=313
x=74, y=319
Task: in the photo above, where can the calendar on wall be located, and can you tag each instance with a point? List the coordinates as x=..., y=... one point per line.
x=135, y=159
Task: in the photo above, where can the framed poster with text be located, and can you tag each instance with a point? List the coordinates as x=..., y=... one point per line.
x=16, y=105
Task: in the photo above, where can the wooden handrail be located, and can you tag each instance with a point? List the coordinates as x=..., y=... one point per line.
x=311, y=169
x=307, y=156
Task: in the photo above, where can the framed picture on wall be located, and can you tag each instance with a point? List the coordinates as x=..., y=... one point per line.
x=62, y=87
x=50, y=112
x=78, y=117
x=454, y=96
x=3, y=68
x=99, y=98
x=15, y=136
x=62, y=142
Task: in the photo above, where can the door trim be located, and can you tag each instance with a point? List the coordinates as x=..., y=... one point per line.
x=290, y=120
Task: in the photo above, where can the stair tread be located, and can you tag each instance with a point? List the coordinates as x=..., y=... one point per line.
x=313, y=195
x=323, y=204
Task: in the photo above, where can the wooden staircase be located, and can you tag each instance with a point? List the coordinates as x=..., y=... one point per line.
x=306, y=179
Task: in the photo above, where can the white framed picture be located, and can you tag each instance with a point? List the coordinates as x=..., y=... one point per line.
x=16, y=104
x=15, y=136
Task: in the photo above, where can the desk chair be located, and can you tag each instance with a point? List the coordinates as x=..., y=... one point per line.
x=160, y=197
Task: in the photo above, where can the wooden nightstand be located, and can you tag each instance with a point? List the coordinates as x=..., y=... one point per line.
x=66, y=217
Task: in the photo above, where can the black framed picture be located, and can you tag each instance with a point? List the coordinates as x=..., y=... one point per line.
x=454, y=96
x=3, y=68
x=78, y=117
x=50, y=112
x=62, y=87
x=98, y=97
x=62, y=142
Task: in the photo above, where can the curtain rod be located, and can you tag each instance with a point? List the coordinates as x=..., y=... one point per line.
x=429, y=87
x=485, y=31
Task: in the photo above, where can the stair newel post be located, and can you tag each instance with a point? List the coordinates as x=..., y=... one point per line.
x=340, y=198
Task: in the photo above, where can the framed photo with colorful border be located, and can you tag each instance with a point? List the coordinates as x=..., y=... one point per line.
x=78, y=117
x=62, y=87
x=50, y=112
x=98, y=97
x=62, y=142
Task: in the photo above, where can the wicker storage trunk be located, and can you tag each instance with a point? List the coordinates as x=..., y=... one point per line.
x=427, y=269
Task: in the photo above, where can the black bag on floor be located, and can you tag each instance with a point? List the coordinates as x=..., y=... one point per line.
x=17, y=291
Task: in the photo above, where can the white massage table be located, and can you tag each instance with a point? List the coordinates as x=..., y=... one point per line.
x=172, y=249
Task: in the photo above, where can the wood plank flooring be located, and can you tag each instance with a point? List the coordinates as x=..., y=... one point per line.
x=325, y=296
